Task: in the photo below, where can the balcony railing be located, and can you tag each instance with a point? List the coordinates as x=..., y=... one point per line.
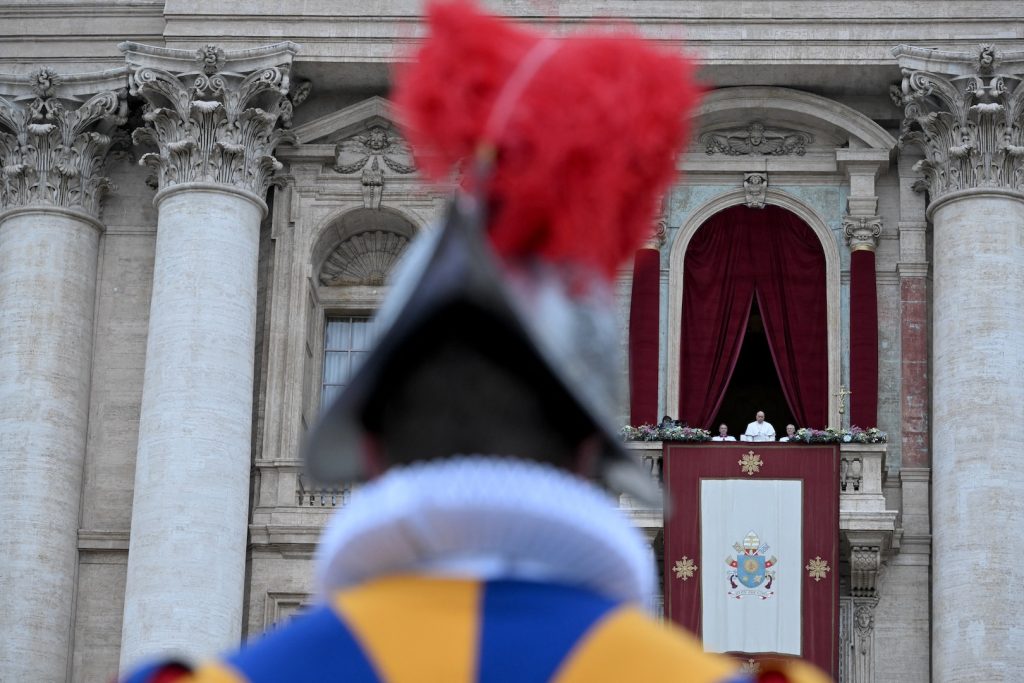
x=325, y=497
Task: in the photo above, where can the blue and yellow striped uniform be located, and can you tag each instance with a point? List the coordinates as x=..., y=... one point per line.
x=403, y=629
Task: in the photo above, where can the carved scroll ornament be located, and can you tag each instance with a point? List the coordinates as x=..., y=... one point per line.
x=970, y=127
x=53, y=147
x=213, y=114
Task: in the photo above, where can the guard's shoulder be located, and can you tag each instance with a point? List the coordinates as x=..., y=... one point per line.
x=317, y=638
x=628, y=645
x=176, y=672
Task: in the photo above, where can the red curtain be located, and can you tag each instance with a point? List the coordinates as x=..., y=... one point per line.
x=737, y=254
x=863, y=339
x=644, y=314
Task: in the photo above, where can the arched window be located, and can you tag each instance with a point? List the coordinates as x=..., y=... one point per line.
x=353, y=260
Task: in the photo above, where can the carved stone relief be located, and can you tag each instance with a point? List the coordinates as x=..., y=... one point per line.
x=363, y=259
x=865, y=563
x=969, y=126
x=755, y=140
x=862, y=232
x=864, y=639
x=53, y=146
x=213, y=114
x=755, y=185
x=369, y=155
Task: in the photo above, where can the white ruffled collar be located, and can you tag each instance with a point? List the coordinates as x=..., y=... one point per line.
x=486, y=517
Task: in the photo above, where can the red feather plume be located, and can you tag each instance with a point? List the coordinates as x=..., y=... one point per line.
x=590, y=144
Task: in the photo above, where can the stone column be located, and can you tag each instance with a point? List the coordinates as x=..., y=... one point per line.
x=52, y=149
x=966, y=113
x=211, y=115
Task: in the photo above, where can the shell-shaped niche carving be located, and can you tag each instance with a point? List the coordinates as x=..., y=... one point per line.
x=363, y=259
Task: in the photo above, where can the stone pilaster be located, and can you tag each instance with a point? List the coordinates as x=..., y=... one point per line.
x=55, y=131
x=965, y=112
x=213, y=117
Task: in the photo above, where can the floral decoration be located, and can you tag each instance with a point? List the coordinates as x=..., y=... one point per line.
x=658, y=433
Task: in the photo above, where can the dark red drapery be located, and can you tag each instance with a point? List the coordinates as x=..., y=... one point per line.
x=686, y=465
x=863, y=339
x=737, y=254
x=644, y=310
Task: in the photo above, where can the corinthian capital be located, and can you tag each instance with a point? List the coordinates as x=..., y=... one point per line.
x=966, y=112
x=212, y=114
x=862, y=232
x=54, y=137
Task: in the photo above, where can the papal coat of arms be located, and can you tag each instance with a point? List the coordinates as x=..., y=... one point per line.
x=751, y=573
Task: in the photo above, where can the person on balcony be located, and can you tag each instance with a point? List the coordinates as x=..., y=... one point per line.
x=790, y=433
x=723, y=434
x=759, y=430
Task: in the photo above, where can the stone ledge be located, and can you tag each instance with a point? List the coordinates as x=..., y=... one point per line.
x=881, y=520
x=266, y=536
x=97, y=540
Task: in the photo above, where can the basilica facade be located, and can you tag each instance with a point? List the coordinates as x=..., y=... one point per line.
x=200, y=203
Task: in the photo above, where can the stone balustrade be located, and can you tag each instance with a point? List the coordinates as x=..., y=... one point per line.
x=324, y=497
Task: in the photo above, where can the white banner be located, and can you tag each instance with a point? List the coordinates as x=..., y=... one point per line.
x=751, y=552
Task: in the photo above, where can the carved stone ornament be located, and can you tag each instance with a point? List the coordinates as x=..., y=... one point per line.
x=966, y=115
x=363, y=259
x=656, y=240
x=52, y=143
x=864, y=640
x=865, y=563
x=213, y=114
x=755, y=186
x=862, y=232
x=369, y=155
x=755, y=140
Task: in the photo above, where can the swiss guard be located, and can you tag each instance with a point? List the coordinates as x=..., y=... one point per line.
x=481, y=549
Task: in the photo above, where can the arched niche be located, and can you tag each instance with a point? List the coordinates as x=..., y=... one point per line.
x=360, y=246
x=677, y=257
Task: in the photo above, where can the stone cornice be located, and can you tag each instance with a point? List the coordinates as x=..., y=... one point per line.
x=966, y=113
x=55, y=132
x=213, y=114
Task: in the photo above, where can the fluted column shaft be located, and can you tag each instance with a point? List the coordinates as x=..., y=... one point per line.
x=211, y=115
x=47, y=296
x=978, y=413
x=966, y=113
x=52, y=148
x=189, y=519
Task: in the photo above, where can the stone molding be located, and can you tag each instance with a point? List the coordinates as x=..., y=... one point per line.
x=862, y=232
x=966, y=113
x=53, y=145
x=213, y=114
x=210, y=187
x=756, y=139
x=789, y=104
